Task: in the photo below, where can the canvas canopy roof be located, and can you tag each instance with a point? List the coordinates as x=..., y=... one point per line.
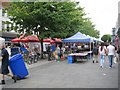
x=78, y=37
x=2, y=41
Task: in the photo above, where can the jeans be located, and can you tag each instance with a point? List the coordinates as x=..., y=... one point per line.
x=102, y=58
x=110, y=57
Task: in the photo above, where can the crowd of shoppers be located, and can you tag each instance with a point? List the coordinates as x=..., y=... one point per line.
x=55, y=53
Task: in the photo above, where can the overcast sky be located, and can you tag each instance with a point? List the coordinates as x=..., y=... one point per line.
x=103, y=13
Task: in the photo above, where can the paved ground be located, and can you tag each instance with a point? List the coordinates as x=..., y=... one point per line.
x=51, y=74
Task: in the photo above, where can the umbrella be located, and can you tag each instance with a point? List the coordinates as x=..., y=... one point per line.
x=58, y=40
x=33, y=38
x=25, y=39
x=48, y=40
x=15, y=40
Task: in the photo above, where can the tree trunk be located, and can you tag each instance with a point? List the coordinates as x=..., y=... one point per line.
x=41, y=48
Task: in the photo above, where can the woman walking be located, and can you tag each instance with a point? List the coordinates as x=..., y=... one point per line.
x=102, y=53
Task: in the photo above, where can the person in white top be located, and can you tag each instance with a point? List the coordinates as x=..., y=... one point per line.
x=111, y=54
x=102, y=50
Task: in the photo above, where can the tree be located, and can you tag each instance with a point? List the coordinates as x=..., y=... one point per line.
x=50, y=19
x=89, y=29
x=54, y=19
x=106, y=38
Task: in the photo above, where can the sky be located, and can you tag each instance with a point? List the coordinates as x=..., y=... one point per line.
x=103, y=14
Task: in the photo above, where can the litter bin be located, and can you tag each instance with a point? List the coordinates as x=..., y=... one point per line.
x=17, y=66
x=70, y=60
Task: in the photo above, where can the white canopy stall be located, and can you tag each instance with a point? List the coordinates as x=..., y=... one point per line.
x=2, y=41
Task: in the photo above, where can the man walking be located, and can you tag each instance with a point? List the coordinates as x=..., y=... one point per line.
x=49, y=52
x=95, y=53
x=111, y=53
x=4, y=66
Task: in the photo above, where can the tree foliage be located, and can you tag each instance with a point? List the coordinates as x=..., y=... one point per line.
x=50, y=19
x=106, y=38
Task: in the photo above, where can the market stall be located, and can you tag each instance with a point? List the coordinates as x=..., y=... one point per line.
x=79, y=37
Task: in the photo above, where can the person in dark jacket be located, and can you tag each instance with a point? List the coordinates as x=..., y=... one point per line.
x=15, y=50
x=95, y=53
x=49, y=52
x=4, y=66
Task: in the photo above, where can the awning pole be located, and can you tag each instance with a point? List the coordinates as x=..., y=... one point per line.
x=90, y=49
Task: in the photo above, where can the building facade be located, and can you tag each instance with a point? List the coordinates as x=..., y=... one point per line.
x=115, y=30
x=118, y=20
x=3, y=26
x=3, y=17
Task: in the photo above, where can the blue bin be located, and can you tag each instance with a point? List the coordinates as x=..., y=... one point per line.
x=70, y=60
x=17, y=66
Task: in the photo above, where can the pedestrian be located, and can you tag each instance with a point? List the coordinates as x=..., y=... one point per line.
x=62, y=52
x=8, y=49
x=55, y=55
x=49, y=52
x=53, y=51
x=102, y=53
x=15, y=49
x=4, y=66
x=111, y=54
x=95, y=53
x=115, y=59
x=118, y=52
x=58, y=52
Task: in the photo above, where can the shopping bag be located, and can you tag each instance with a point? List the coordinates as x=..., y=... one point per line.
x=115, y=60
x=1, y=58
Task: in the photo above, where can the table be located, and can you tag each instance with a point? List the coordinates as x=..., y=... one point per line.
x=73, y=57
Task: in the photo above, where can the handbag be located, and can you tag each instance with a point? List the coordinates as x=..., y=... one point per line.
x=1, y=58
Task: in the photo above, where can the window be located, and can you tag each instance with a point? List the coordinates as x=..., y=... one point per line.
x=3, y=25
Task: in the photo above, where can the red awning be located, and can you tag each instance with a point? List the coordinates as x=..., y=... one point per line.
x=15, y=40
x=25, y=39
x=32, y=38
x=58, y=40
x=48, y=40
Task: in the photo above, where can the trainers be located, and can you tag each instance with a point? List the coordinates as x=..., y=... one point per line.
x=96, y=61
x=101, y=66
x=2, y=82
x=93, y=61
x=14, y=78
